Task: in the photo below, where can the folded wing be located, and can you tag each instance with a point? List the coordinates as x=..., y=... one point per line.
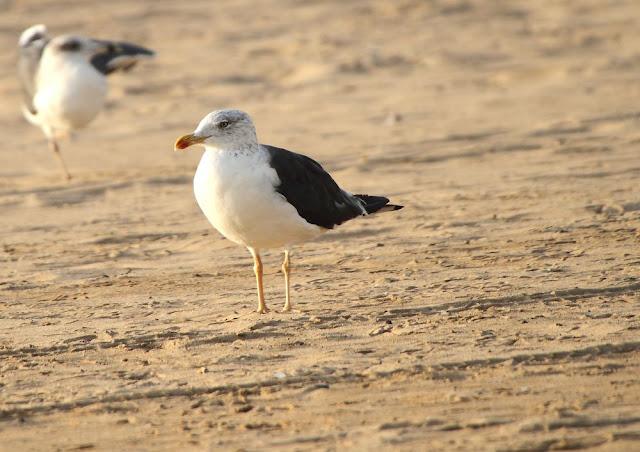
x=120, y=56
x=315, y=195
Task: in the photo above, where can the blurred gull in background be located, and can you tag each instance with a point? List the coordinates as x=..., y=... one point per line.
x=64, y=79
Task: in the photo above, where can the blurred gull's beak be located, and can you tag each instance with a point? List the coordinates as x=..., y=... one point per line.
x=187, y=140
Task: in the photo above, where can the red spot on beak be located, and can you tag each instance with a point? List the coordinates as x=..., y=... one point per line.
x=185, y=141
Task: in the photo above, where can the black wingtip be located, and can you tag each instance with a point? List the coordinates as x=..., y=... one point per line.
x=389, y=208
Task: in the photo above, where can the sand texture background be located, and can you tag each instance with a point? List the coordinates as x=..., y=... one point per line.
x=498, y=311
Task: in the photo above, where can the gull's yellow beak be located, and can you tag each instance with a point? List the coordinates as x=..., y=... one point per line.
x=187, y=140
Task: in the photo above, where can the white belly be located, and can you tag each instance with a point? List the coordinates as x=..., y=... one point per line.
x=69, y=97
x=236, y=193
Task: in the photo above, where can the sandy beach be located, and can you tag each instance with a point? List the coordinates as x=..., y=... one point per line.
x=499, y=310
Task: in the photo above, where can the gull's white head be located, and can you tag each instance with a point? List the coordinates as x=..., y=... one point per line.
x=222, y=129
x=76, y=47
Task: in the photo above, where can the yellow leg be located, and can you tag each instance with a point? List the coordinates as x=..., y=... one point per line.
x=53, y=145
x=257, y=268
x=285, y=270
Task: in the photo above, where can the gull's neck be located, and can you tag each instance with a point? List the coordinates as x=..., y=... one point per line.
x=54, y=65
x=235, y=147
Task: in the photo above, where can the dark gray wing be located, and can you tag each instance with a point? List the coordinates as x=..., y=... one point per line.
x=314, y=194
x=120, y=56
x=31, y=45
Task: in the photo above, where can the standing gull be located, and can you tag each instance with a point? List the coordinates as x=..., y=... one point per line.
x=64, y=80
x=260, y=196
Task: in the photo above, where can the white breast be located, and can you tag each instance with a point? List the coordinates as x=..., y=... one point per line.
x=235, y=191
x=70, y=93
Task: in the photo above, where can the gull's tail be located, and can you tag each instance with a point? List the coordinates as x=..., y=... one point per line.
x=373, y=204
x=30, y=46
x=34, y=34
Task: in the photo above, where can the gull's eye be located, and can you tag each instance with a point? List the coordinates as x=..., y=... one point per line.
x=223, y=124
x=71, y=45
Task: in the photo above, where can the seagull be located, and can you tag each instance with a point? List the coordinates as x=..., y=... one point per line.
x=64, y=80
x=261, y=196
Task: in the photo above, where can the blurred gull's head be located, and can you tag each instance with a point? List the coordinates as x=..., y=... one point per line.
x=69, y=46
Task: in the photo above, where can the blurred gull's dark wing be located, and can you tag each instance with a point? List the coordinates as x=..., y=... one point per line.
x=121, y=56
x=31, y=45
